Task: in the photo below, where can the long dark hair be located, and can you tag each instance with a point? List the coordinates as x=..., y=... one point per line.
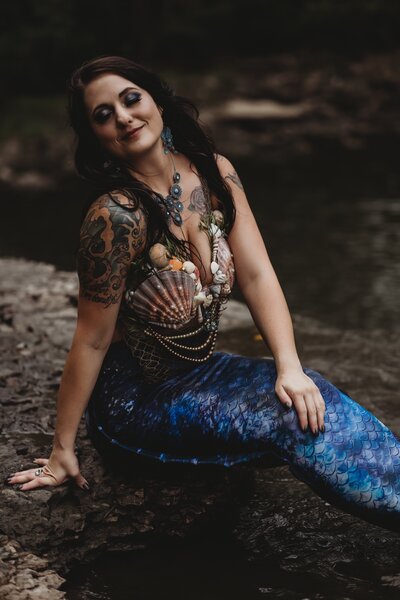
x=179, y=114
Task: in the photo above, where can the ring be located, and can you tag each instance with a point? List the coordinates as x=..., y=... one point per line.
x=38, y=472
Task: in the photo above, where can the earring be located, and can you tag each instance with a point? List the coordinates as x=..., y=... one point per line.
x=168, y=141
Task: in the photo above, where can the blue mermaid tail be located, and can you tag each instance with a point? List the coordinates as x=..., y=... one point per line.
x=226, y=412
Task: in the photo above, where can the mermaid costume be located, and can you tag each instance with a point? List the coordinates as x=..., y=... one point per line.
x=163, y=393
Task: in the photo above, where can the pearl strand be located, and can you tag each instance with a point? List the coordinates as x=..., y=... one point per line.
x=189, y=358
x=191, y=348
x=183, y=335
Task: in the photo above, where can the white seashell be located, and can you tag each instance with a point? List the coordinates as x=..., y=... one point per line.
x=215, y=230
x=193, y=276
x=188, y=266
x=208, y=300
x=219, y=277
x=199, y=298
x=214, y=267
x=215, y=290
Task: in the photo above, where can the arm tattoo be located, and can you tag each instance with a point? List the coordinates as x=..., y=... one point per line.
x=110, y=237
x=235, y=178
x=198, y=201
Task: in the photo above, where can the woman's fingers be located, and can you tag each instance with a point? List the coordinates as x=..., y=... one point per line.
x=38, y=482
x=284, y=396
x=301, y=409
x=81, y=482
x=22, y=476
x=311, y=413
x=308, y=402
x=51, y=472
x=320, y=404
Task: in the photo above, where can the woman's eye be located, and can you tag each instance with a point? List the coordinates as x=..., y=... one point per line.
x=102, y=116
x=132, y=98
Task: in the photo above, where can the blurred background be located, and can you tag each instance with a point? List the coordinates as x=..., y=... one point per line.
x=301, y=95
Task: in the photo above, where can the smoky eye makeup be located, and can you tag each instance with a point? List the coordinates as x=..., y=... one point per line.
x=132, y=97
x=102, y=113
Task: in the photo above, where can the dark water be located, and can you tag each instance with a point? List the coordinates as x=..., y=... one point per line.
x=331, y=223
x=214, y=570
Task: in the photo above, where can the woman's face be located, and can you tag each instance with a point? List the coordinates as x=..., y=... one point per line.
x=123, y=116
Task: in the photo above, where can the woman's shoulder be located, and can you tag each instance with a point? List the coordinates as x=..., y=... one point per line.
x=114, y=221
x=117, y=203
x=115, y=209
x=228, y=171
x=223, y=163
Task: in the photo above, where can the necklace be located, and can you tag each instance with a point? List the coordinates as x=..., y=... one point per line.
x=172, y=202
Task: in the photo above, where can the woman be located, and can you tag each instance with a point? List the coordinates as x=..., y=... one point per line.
x=161, y=243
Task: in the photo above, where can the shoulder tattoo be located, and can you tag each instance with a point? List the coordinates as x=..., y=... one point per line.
x=110, y=237
x=234, y=177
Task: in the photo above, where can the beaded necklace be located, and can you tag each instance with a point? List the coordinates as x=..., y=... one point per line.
x=172, y=202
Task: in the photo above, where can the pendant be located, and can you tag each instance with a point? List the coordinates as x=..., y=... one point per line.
x=171, y=202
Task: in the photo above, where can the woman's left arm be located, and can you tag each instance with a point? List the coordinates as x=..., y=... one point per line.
x=264, y=296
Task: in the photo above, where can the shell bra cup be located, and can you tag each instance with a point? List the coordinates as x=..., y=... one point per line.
x=169, y=319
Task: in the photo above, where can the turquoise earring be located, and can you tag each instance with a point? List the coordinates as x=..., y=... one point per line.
x=167, y=139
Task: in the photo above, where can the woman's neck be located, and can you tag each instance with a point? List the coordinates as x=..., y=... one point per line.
x=155, y=169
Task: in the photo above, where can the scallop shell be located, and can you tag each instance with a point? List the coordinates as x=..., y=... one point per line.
x=225, y=260
x=165, y=298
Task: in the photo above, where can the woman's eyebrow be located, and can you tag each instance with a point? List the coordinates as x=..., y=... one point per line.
x=119, y=95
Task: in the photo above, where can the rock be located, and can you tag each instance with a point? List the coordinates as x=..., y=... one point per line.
x=25, y=576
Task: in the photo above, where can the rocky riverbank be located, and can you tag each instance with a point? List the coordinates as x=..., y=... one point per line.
x=47, y=532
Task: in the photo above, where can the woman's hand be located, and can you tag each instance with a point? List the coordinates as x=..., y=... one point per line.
x=61, y=466
x=294, y=387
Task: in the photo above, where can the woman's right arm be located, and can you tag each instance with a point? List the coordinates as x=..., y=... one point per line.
x=110, y=238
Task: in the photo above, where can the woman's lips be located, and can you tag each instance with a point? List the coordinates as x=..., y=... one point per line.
x=132, y=133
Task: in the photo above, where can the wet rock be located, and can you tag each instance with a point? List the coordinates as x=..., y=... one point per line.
x=25, y=576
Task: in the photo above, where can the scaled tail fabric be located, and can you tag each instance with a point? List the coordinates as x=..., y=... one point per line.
x=226, y=412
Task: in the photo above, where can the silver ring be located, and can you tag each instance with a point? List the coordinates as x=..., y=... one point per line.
x=38, y=472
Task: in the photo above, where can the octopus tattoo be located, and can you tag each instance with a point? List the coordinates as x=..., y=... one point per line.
x=110, y=237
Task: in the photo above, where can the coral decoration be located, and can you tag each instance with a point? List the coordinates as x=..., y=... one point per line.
x=175, y=263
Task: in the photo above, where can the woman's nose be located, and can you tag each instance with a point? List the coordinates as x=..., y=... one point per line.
x=123, y=117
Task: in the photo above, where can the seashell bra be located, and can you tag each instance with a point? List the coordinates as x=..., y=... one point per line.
x=168, y=318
